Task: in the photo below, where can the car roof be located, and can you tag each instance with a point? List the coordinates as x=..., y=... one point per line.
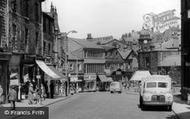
x=165, y=78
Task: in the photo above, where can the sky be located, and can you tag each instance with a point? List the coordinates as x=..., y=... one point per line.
x=106, y=17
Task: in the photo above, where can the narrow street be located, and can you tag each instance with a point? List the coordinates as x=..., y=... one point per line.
x=103, y=105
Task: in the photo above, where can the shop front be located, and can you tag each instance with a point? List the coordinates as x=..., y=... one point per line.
x=104, y=82
x=90, y=82
x=51, y=78
x=75, y=83
x=14, y=74
x=4, y=76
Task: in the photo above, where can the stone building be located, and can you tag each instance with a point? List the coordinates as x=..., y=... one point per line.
x=25, y=39
x=5, y=55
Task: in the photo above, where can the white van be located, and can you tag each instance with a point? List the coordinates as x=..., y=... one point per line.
x=156, y=90
x=115, y=87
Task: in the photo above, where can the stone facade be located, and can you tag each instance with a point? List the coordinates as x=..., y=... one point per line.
x=3, y=19
x=25, y=26
x=48, y=38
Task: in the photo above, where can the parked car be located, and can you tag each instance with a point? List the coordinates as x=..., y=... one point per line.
x=115, y=87
x=156, y=90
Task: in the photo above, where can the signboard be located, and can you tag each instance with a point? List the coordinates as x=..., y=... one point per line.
x=89, y=77
x=161, y=22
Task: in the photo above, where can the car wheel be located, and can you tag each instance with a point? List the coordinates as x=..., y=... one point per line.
x=111, y=91
x=119, y=92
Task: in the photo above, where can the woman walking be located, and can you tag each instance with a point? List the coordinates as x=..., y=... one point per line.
x=12, y=96
x=31, y=94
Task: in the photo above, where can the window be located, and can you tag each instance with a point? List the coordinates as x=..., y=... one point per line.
x=44, y=48
x=151, y=85
x=26, y=36
x=14, y=37
x=162, y=84
x=26, y=8
x=36, y=39
x=26, y=39
x=49, y=48
x=36, y=12
x=13, y=5
x=71, y=66
x=79, y=67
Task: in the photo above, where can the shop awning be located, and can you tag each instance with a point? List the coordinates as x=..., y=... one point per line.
x=13, y=75
x=50, y=71
x=103, y=78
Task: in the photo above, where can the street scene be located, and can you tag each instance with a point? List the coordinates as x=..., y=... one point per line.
x=94, y=59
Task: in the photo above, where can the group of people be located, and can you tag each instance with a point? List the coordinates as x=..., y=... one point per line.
x=36, y=95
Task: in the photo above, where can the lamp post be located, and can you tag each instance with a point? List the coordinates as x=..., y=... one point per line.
x=65, y=35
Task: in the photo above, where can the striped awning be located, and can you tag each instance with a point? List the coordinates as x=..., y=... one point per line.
x=103, y=78
x=50, y=71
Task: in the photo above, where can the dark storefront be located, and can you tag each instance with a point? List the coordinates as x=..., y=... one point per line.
x=4, y=74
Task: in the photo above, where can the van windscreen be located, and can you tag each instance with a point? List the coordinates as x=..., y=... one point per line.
x=162, y=84
x=151, y=84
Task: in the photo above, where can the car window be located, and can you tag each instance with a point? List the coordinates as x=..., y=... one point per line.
x=162, y=84
x=151, y=85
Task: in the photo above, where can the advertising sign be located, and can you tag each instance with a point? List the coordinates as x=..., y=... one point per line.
x=161, y=22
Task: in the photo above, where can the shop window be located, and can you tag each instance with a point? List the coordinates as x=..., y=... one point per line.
x=71, y=67
x=79, y=67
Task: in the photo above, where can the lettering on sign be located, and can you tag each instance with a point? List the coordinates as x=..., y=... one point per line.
x=161, y=22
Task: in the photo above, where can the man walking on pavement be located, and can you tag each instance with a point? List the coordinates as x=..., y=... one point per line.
x=12, y=97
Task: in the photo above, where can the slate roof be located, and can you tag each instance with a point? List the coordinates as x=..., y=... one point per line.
x=101, y=40
x=87, y=44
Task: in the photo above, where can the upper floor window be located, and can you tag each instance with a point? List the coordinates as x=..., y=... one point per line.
x=49, y=48
x=79, y=67
x=13, y=5
x=44, y=47
x=71, y=66
x=36, y=12
x=26, y=8
x=37, y=38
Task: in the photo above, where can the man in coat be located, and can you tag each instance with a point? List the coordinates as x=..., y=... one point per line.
x=12, y=96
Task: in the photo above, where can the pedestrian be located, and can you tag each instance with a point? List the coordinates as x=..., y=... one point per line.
x=52, y=89
x=1, y=95
x=12, y=96
x=31, y=94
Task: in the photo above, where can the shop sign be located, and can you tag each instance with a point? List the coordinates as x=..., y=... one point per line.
x=161, y=22
x=118, y=72
x=89, y=77
x=38, y=76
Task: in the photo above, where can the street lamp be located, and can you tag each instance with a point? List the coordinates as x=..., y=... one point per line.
x=65, y=35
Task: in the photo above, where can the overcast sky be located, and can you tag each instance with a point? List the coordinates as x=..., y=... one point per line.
x=106, y=17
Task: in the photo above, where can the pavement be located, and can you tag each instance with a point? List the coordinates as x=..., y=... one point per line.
x=180, y=107
x=46, y=102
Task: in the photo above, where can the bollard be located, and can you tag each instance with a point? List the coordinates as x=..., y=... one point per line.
x=188, y=98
